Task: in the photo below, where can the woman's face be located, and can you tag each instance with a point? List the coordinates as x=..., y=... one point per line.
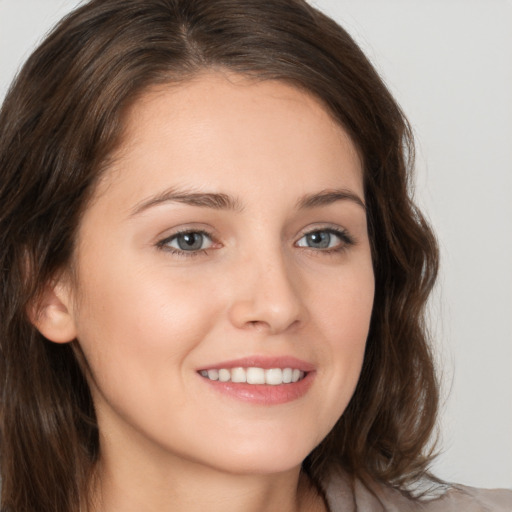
x=229, y=233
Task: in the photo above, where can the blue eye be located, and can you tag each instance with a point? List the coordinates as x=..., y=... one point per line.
x=188, y=241
x=325, y=239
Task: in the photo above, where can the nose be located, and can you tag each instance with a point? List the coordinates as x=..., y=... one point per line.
x=267, y=295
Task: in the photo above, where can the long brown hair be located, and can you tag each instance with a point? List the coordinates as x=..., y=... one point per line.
x=61, y=120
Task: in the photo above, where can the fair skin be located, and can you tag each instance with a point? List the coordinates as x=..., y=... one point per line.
x=230, y=230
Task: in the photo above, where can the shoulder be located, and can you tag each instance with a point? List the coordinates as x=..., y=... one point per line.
x=345, y=494
x=478, y=500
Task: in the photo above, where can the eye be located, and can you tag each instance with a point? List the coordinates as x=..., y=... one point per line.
x=322, y=239
x=187, y=241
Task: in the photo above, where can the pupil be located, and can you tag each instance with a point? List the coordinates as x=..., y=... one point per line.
x=190, y=241
x=320, y=239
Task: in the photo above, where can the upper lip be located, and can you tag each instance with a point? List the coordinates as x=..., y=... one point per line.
x=265, y=362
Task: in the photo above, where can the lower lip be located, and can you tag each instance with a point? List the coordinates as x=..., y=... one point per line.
x=264, y=394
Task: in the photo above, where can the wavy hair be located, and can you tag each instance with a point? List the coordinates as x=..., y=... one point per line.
x=62, y=119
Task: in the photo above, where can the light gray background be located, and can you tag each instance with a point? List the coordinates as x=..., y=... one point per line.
x=449, y=64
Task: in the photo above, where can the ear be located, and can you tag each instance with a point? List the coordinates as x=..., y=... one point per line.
x=52, y=313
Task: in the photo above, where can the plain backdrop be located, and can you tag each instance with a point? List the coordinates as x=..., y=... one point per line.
x=449, y=64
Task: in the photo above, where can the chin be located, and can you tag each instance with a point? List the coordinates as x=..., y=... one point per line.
x=269, y=456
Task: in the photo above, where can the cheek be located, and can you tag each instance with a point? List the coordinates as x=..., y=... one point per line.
x=344, y=307
x=343, y=314
x=138, y=335
x=135, y=323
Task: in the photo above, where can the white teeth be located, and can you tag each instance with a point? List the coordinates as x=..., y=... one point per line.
x=274, y=376
x=213, y=374
x=238, y=375
x=287, y=375
x=253, y=375
x=224, y=375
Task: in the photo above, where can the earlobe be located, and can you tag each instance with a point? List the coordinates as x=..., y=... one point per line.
x=52, y=314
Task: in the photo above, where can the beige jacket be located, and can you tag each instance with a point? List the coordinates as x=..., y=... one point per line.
x=346, y=495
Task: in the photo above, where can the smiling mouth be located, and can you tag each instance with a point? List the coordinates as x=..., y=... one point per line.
x=255, y=375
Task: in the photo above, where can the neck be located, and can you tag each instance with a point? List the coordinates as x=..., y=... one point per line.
x=134, y=485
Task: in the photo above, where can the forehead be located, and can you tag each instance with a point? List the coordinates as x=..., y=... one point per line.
x=219, y=128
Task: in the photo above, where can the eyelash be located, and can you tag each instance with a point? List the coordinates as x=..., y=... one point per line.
x=164, y=244
x=346, y=241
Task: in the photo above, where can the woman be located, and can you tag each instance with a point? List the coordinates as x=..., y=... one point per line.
x=214, y=276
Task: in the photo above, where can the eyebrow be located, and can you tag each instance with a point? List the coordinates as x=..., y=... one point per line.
x=216, y=201
x=328, y=197
x=220, y=201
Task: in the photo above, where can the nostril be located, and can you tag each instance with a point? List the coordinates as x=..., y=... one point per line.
x=257, y=324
